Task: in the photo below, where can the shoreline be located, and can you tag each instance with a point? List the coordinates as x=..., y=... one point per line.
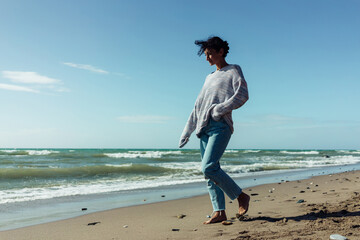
x=196, y=206
x=46, y=211
x=137, y=222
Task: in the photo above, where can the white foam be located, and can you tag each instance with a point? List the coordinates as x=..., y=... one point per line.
x=142, y=154
x=251, y=151
x=301, y=152
x=31, y=194
x=9, y=151
x=231, y=151
x=180, y=165
x=41, y=152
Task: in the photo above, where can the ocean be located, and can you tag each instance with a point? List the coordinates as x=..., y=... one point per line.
x=35, y=181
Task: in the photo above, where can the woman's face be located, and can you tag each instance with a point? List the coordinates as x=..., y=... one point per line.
x=214, y=57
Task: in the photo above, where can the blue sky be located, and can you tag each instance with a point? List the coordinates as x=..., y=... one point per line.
x=125, y=74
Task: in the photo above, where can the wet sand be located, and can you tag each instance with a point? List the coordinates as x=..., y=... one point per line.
x=308, y=209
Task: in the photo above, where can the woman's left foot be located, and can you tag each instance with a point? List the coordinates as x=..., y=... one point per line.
x=218, y=216
x=243, y=200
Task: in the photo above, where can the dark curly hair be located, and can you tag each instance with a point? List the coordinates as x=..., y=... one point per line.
x=215, y=43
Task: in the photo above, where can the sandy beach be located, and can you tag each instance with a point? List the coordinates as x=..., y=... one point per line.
x=307, y=209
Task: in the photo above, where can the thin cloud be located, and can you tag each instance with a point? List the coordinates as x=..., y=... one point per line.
x=86, y=67
x=17, y=88
x=144, y=119
x=34, y=82
x=28, y=77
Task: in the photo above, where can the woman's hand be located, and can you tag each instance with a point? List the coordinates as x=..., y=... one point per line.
x=183, y=141
x=215, y=113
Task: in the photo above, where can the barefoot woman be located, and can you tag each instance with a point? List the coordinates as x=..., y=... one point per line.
x=224, y=90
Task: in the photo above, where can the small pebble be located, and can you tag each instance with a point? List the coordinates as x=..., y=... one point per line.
x=125, y=226
x=337, y=237
x=180, y=216
x=175, y=229
x=93, y=223
x=301, y=201
x=208, y=216
x=226, y=222
x=83, y=209
x=162, y=195
x=301, y=191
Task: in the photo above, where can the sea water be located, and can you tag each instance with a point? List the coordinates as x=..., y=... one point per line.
x=39, y=185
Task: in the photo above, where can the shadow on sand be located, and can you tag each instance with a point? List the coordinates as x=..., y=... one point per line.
x=322, y=214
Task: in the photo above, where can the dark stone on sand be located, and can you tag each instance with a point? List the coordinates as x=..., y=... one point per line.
x=301, y=191
x=180, y=216
x=162, y=195
x=93, y=223
x=254, y=194
x=301, y=201
x=240, y=217
x=83, y=209
x=175, y=229
x=226, y=222
x=355, y=226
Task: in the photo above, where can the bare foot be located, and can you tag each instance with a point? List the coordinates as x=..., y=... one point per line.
x=218, y=216
x=243, y=200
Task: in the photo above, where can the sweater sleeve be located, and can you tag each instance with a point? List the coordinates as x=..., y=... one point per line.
x=235, y=101
x=189, y=129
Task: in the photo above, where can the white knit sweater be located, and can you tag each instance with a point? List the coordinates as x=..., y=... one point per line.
x=224, y=90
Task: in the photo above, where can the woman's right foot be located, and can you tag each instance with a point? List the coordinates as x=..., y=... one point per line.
x=243, y=200
x=218, y=216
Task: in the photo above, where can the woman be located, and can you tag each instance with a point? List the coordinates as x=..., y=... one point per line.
x=224, y=90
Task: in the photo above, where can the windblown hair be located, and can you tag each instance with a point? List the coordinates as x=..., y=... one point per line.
x=215, y=43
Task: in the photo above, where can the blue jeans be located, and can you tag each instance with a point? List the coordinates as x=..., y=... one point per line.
x=213, y=141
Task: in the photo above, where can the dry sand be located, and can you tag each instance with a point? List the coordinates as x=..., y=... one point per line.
x=331, y=204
